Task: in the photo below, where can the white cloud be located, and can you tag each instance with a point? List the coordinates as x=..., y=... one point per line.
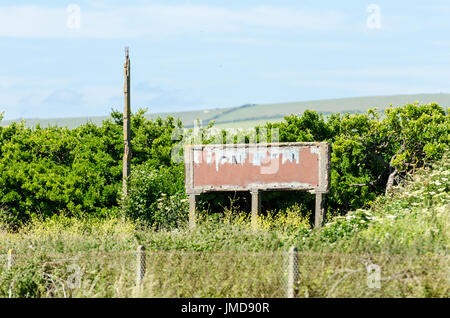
x=418, y=72
x=64, y=97
x=371, y=87
x=7, y=82
x=252, y=41
x=429, y=73
x=376, y=81
x=159, y=20
x=20, y=82
x=441, y=43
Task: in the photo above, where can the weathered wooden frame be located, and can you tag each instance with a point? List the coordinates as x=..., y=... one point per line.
x=323, y=150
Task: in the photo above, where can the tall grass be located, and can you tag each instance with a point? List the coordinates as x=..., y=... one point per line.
x=405, y=233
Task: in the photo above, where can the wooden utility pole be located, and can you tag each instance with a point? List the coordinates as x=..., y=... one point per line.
x=126, y=124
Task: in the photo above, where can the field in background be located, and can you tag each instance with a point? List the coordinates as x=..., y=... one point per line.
x=250, y=115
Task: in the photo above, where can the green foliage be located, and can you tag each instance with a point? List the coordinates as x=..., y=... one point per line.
x=405, y=233
x=25, y=280
x=44, y=171
x=156, y=196
x=412, y=219
x=49, y=175
x=370, y=147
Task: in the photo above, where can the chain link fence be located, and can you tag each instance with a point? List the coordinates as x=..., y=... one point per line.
x=215, y=274
x=372, y=275
x=223, y=274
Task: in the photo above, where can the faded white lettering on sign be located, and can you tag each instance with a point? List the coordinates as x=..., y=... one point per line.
x=259, y=157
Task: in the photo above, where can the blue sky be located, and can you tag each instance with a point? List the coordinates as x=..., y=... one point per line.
x=193, y=54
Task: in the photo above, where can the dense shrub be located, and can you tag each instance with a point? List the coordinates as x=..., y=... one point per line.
x=45, y=171
x=156, y=195
x=371, y=151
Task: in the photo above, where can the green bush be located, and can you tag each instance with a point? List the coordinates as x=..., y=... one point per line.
x=47, y=171
x=371, y=151
x=156, y=195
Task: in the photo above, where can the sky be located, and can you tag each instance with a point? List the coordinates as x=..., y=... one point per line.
x=65, y=58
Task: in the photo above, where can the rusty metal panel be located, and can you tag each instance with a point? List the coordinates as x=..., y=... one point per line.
x=245, y=167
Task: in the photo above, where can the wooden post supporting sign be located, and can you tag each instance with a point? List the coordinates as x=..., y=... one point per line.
x=256, y=206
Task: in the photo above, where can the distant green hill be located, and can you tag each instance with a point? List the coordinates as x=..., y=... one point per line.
x=253, y=114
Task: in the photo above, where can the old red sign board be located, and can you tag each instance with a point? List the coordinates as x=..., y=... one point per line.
x=277, y=166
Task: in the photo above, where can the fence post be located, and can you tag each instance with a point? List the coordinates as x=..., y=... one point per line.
x=9, y=266
x=292, y=272
x=10, y=259
x=140, y=265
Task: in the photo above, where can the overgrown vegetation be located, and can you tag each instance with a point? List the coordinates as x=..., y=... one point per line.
x=407, y=233
x=372, y=151
x=412, y=219
x=60, y=204
x=48, y=171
